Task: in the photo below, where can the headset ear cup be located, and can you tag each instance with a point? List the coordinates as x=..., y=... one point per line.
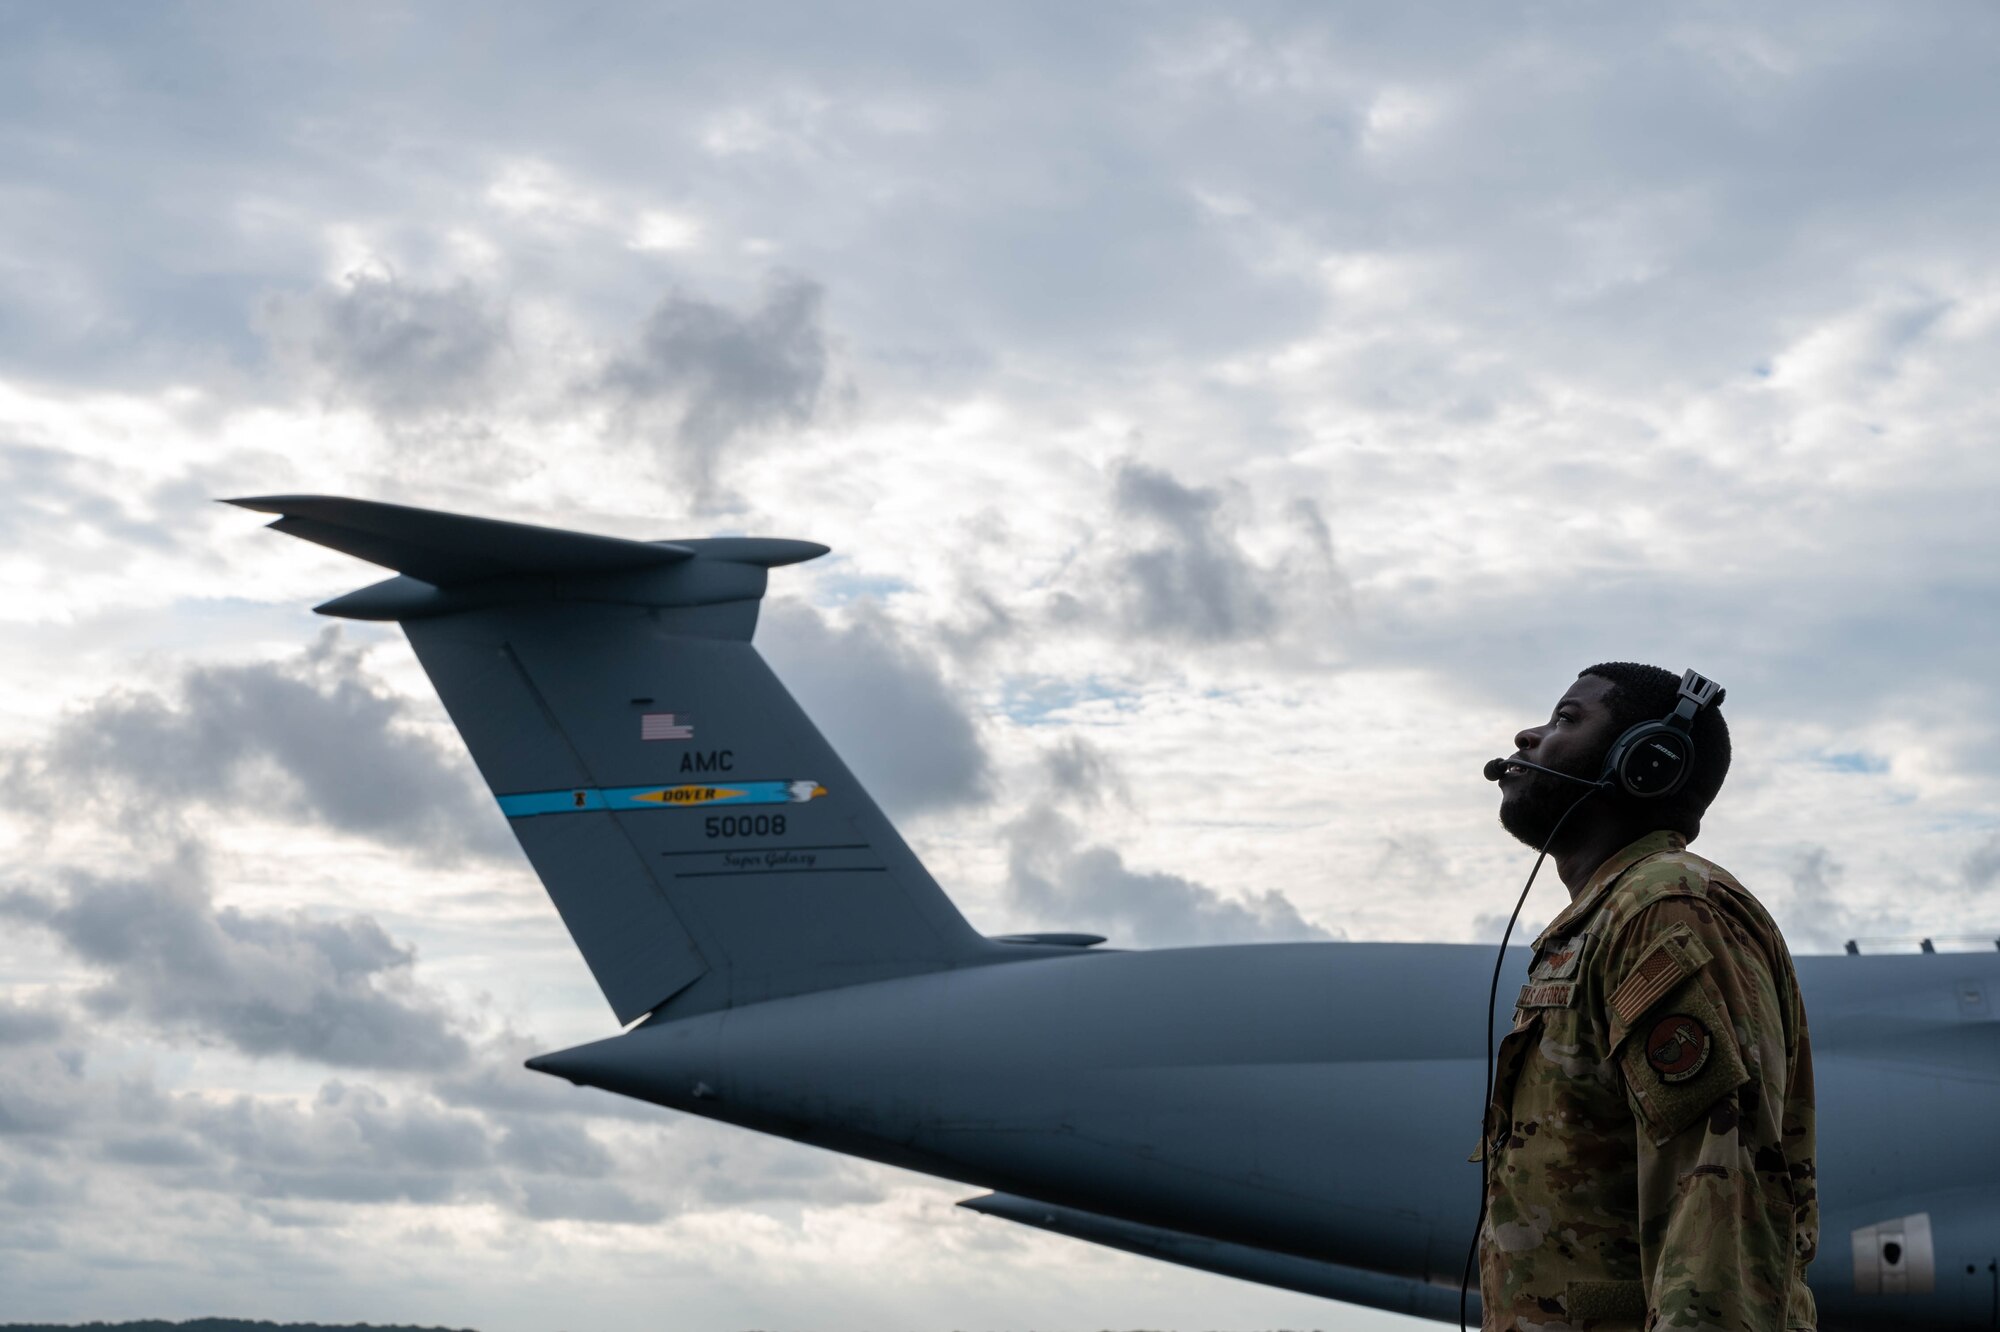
x=1650, y=760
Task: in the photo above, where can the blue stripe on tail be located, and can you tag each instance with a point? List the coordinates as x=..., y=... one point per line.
x=577, y=800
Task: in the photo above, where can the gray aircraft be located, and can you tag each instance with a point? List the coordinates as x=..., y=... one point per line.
x=1293, y=1114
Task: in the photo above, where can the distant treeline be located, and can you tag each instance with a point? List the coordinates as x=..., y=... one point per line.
x=219, y=1325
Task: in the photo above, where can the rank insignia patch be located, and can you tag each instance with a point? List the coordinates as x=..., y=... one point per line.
x=1677, y=1047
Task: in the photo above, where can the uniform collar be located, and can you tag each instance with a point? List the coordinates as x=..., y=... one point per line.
x=1601, y=879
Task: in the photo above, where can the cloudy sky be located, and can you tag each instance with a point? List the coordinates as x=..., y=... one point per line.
x=1231, y=424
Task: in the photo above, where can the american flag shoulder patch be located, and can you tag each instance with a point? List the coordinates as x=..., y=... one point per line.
x=1671, y=960
x=666, y=726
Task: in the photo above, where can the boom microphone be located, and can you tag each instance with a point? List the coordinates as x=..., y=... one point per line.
x=1495, y=769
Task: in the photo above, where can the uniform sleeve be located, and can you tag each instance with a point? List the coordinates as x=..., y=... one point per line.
x=1697, y=1035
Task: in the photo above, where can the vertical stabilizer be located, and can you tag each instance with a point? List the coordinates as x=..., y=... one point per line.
x=701, y=840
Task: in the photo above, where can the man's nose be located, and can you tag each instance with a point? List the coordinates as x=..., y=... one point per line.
x=1527, y=739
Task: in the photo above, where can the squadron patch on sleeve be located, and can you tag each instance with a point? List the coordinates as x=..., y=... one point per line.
x=1681, y=1060
x=1677, y=1047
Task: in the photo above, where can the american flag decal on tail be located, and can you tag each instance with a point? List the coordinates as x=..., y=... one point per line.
x=666, y=726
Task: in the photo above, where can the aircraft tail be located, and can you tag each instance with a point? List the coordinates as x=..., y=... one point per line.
x=701, y=840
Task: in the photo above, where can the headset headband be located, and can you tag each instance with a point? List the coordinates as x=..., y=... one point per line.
x=1695, y=692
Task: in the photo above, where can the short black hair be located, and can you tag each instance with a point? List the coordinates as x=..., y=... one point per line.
x=1648, y=693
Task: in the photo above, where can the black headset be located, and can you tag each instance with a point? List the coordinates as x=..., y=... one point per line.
x=1654, y=758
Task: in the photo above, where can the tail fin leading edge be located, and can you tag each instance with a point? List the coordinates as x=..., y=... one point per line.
x=701, y=840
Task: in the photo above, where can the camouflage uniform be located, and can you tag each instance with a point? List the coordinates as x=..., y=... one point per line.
x=1651, y=1128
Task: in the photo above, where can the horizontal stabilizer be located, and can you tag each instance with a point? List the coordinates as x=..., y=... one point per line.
x=449, y=549
x=1065, y=940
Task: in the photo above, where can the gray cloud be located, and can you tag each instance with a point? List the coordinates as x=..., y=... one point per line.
x=1081, y=774
x=339, y=992
x=1488, y=926
x=1820, y=914
x=1413, y=862
x=714, y=374
x=358, y=1145
x=765, y=1172
x=354, y=1145
x=400, y=349
x=881, y=703
x=420, y=1139
x=1982, y=867
x=555, y=1198
x=496, y=1082
x=1197, y=584
x=29, y=1185
x=1172, y=565
x=51, y=500
x=984, y=622
x=1818, y=917
x=350, y=1144
x=312, y=737
x=25, y=1024
x=1140, y=186
x=44, y=1092
x=157, y=1149
x=1860, y=603
x=1057, y=882
x=554, y=1147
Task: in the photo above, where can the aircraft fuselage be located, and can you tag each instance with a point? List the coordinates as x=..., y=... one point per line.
x=1315, y=1100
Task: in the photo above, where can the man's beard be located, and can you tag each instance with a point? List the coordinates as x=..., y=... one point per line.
x=1532, y=811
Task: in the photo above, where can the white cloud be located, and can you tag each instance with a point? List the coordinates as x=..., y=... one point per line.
x=537, y=189
x=1398, y=115
x=658, y=229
